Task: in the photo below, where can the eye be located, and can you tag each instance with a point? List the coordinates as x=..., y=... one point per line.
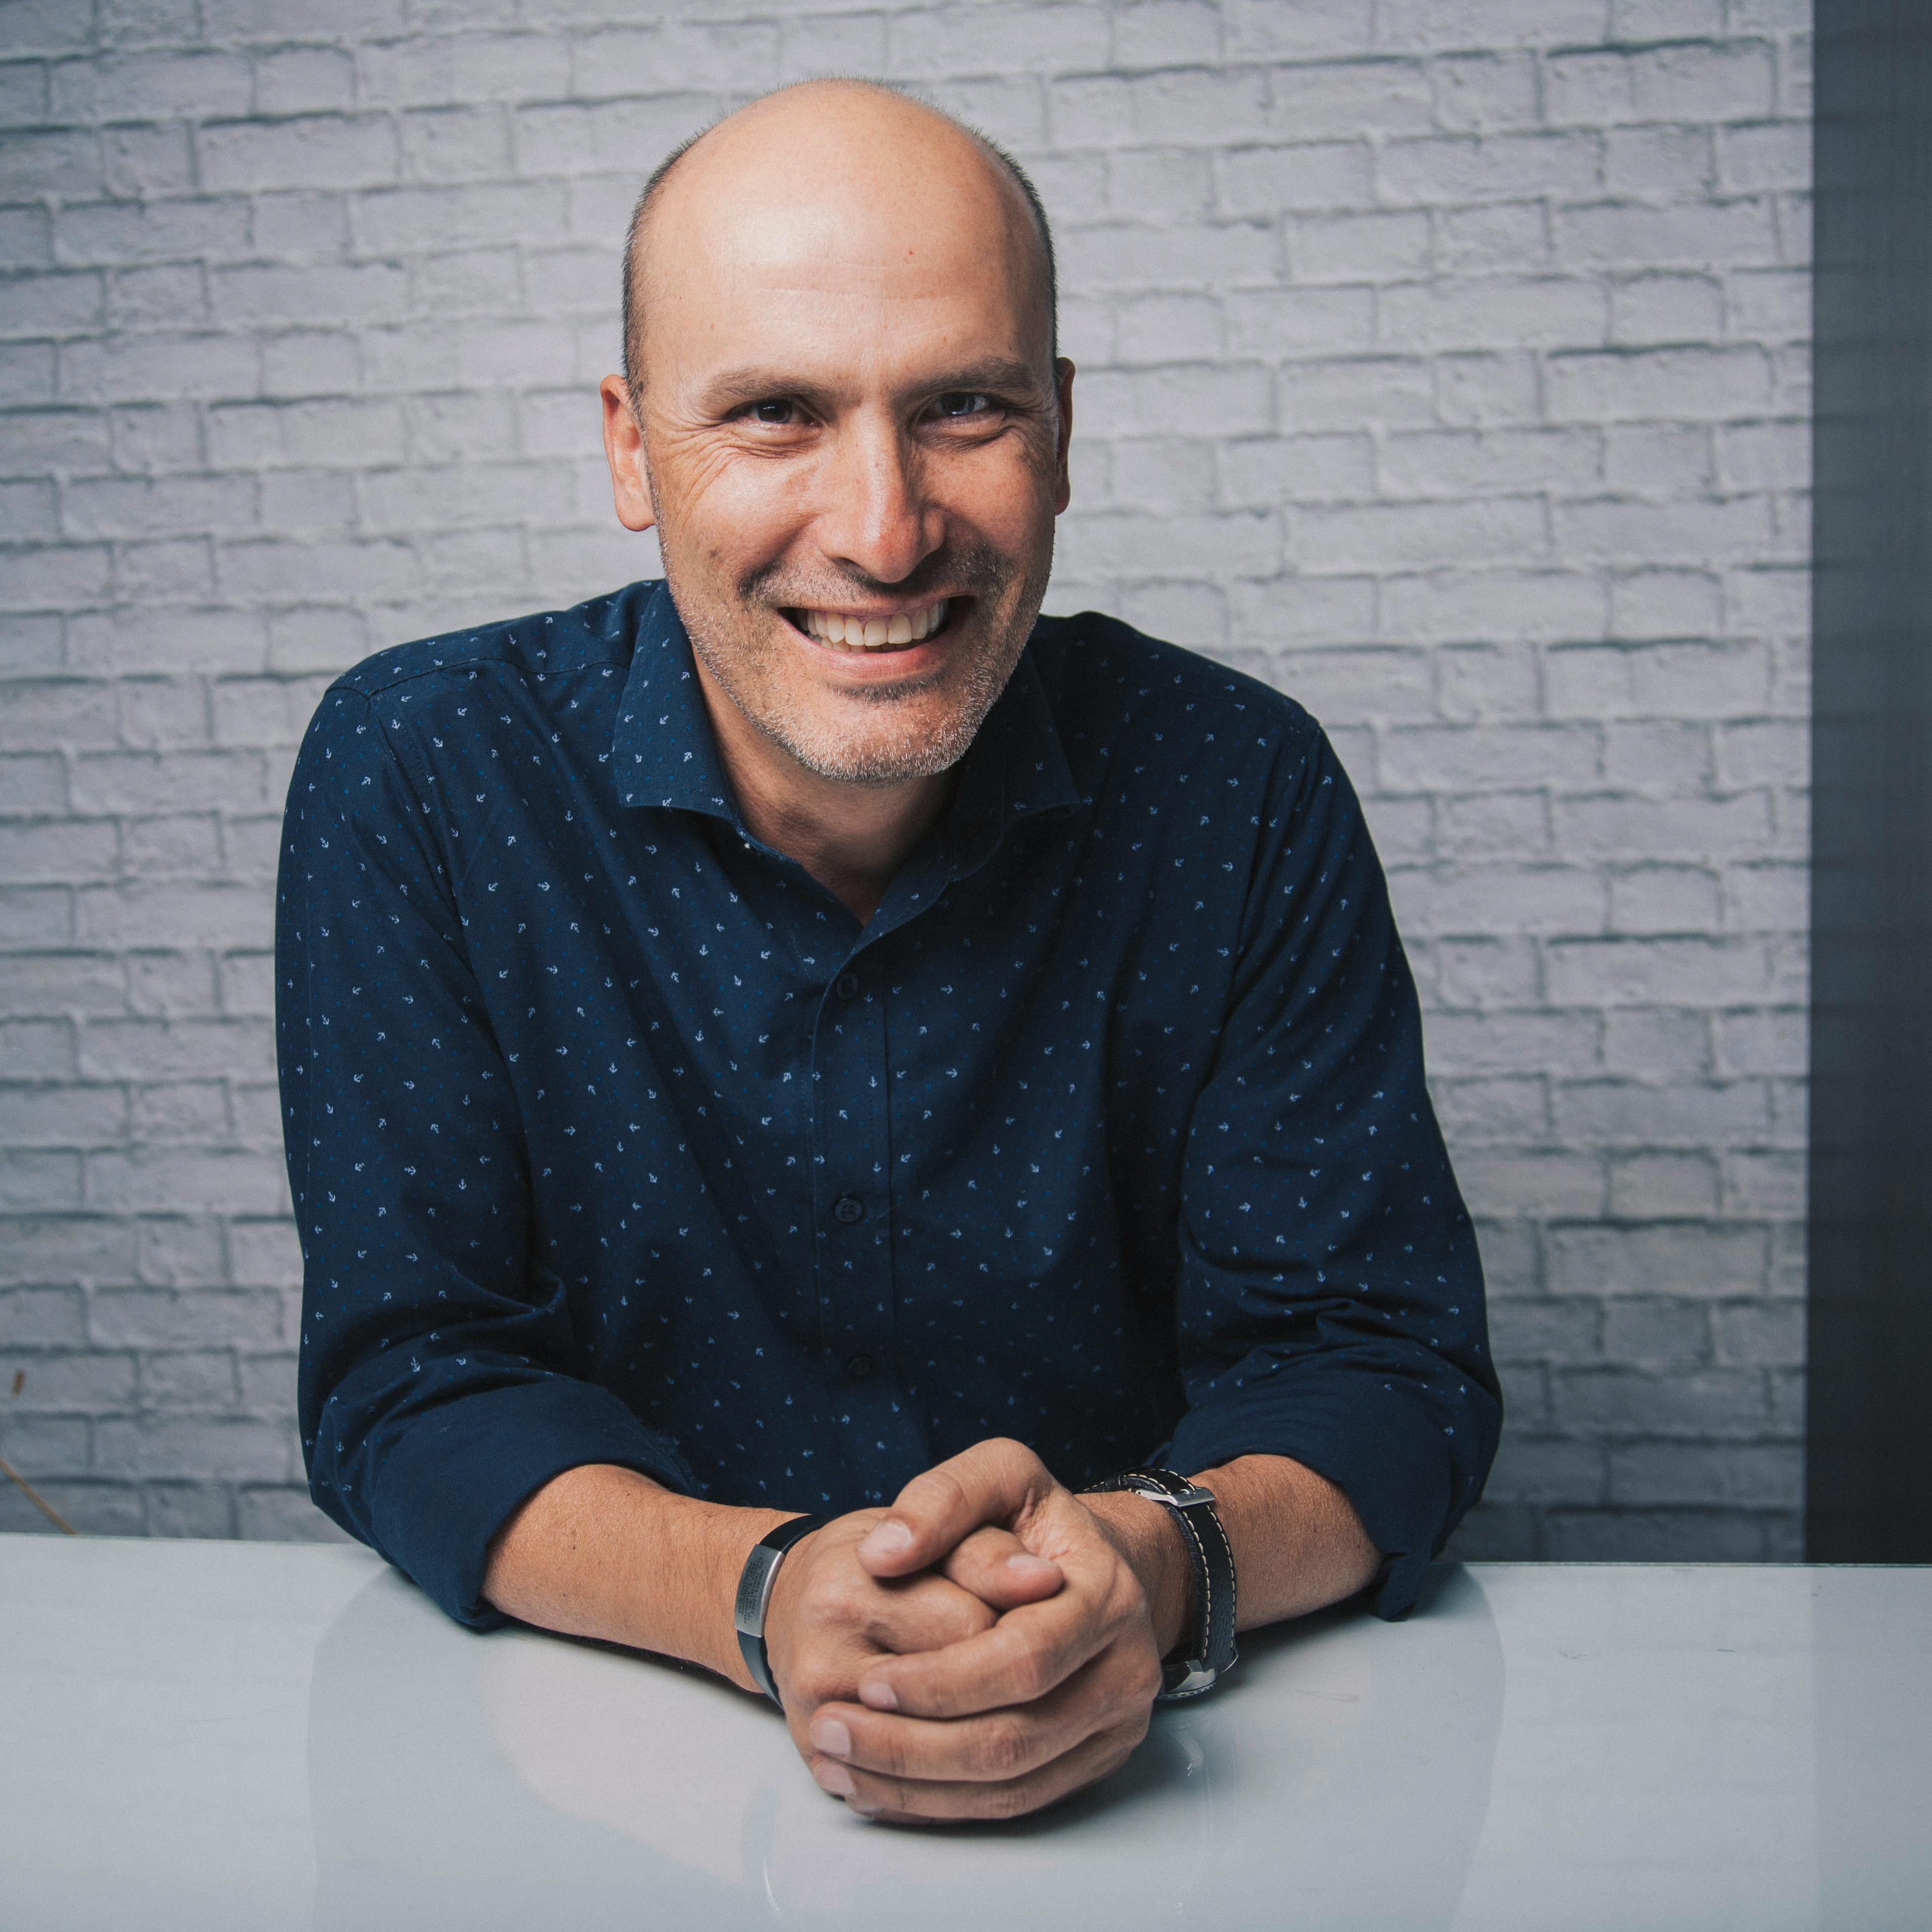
x=955, y=404
x=773, y=409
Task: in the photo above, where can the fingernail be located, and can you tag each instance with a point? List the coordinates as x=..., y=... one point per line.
x=876, y=1696
x=830, y=1736
x=834, y=1778
x=886, y=1539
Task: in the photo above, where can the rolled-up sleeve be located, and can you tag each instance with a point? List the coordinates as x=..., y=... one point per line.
x=1330, y=1302
x=441, y=1381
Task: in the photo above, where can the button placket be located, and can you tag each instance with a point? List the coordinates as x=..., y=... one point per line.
x=851, y=1176
x=857, y=1300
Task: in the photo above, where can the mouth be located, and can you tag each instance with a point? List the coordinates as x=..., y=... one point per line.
x=864, y=635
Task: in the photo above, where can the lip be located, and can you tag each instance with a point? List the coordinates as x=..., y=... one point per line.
x=892, y=662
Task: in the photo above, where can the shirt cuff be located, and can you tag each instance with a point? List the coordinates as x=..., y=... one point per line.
x=1390, y=1462
x=461, y=1470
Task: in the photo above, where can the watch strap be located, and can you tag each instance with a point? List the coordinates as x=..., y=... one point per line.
x=1206, y=1651
x=754, y=1596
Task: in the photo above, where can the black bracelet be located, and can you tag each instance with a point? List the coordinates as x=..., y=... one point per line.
x=754, y=1596
x=1207, y=1650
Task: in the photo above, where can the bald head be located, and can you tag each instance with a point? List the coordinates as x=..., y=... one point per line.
x=824, y=165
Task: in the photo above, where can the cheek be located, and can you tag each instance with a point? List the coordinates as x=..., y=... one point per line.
x=730, y=507
x=1005, y=492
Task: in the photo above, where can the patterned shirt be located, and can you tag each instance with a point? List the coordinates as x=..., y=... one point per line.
x=615, y=1137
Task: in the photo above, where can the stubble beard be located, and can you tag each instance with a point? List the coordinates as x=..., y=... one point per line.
x=735, y=647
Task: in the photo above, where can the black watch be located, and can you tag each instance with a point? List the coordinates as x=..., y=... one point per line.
x=1206, y=1651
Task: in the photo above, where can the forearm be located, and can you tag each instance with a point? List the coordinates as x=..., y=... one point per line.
x=603, y=1552
x=1298, y=1544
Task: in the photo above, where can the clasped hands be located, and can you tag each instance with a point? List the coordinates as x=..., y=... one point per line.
x=989, y=1644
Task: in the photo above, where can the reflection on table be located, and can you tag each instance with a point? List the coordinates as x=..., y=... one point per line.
x=213, y=1734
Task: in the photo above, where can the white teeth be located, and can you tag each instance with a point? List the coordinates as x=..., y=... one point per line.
x=875, y=634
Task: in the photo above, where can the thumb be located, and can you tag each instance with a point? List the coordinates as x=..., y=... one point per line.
x=997, y=1481
x=999, y=1569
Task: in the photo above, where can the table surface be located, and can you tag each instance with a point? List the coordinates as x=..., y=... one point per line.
x=208, y=1735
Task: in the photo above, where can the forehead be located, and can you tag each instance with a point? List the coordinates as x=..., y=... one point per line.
x=878, y=222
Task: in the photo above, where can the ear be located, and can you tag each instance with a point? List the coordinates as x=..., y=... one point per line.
x=624, y=448
x=1062, y=488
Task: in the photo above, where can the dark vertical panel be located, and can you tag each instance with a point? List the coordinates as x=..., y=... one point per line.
x=1869, y=1485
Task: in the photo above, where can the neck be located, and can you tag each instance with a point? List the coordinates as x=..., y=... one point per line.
x=850, y=837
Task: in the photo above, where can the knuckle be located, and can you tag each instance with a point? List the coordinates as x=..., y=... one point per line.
x=1032, y=1674
x=1005, y=1748
x=952, y=1498
x=893, y=1794
x=1148, y=1678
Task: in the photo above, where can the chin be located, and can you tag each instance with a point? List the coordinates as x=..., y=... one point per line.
x=879, y=758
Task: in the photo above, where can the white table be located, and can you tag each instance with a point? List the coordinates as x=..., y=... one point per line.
x=207, y=1734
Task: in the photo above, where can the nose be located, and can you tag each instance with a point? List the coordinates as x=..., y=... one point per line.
x=876, y=520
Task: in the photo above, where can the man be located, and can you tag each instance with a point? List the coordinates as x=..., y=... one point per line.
x=808, y=1037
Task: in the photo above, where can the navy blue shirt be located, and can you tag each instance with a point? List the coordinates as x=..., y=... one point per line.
x=616, y=1138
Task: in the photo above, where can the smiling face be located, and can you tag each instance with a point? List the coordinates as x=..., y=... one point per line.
x=852, y=435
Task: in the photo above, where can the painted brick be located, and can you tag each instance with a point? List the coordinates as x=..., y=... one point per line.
x=1263, y=180
x=1464, y=168
x=1758, y=1475
x=1446, y=463
x=1691, y=81
x=283, y=1515
x=1389, y=535
x=1556, y=312
x=1621, y=234
x=1700, y=1259
x=1301, y=322
x=1650, y=1184
x=1097, y=259
x=1443, y=361
x=1372, y=246
x=1485, y=23
x=1675, y=754
x=1476, y=92
x=1367, y=392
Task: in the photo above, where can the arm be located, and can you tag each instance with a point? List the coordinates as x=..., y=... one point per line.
x=603, y=1552
x=441, y=1383
x=1329, y=1305
x=1298, y=1544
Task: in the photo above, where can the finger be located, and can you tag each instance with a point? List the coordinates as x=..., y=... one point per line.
x=999, y=1569
x=922, y=1613
x=1022, y=1657
x=991, y=1748
x=845, y=1623
x=995, y=1481
x=912, y=1801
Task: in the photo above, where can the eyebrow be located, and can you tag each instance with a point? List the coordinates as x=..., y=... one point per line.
x=754, y=382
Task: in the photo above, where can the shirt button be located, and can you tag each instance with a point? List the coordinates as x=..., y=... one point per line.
x=846, y=985
x=848, y=1208
x=858, y=1367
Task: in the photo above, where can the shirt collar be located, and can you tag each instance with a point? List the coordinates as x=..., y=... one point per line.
x=663, y=752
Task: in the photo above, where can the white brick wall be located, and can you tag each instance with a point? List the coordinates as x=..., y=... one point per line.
x=1443, y=361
